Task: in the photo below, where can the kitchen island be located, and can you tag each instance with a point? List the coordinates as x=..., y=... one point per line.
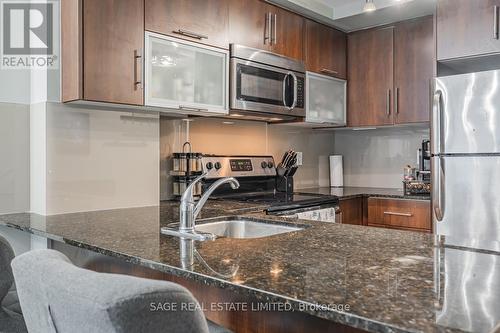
x=355, y=277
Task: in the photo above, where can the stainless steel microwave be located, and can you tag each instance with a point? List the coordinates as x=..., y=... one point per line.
x=266, y=83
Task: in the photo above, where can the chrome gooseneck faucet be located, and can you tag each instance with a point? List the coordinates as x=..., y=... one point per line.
x=189, y=209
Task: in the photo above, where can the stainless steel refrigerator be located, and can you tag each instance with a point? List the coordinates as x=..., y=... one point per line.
x=465, y=162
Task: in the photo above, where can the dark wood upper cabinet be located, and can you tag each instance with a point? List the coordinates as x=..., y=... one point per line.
x=325, y=50
x=203, y=21
x=287, y=33
x=113, y=39
x=390, y=71
x=370, y=73
x=250, y=23
x=467, y=28
x=414, y=64
x=256, y=24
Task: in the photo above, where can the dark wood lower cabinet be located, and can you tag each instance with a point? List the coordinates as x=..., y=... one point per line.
x=391, y=213
x=351, y=211
x=400, y=214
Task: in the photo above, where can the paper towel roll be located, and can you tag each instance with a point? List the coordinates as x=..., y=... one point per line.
x=336, y=171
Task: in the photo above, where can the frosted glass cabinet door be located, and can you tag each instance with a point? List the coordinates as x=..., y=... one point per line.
x=185, y=75
x=326, y=99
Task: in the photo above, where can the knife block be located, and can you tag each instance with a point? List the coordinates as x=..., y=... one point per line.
x=284, y=184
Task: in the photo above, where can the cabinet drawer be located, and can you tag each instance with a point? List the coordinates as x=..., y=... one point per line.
x=405, y=214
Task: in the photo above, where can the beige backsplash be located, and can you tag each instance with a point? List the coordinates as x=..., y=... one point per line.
x=375, y=158
x=218, y=136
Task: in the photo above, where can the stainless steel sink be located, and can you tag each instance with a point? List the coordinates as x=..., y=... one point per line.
x=244, y=228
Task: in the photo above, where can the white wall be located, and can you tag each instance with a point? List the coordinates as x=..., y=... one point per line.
x=375, y=158
x=14, y=158
x=100, y=159
x=213, y=136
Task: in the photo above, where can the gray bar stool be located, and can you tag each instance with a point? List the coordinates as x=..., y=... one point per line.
x=11, y=319
x=57, y=296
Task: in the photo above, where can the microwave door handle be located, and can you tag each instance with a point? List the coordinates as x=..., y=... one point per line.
x=284, y=90
x=296, y=90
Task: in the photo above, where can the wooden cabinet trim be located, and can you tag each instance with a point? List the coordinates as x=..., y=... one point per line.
x=71, y=50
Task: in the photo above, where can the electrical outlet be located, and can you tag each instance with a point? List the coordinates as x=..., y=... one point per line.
x=299, y=158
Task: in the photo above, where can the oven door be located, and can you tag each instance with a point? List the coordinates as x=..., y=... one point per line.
x=262, y=88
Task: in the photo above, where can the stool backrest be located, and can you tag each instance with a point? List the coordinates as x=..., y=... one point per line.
x=57, y=296
x=6, y=277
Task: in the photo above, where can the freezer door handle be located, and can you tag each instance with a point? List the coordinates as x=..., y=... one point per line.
x=436, y=123
x=438, y=182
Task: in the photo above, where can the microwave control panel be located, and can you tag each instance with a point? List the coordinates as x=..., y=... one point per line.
x=300, y=92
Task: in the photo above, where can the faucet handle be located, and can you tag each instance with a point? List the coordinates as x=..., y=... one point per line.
x=188, y=192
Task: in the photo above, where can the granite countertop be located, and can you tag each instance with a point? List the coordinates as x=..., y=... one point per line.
x=392, y=281
x=349, y=192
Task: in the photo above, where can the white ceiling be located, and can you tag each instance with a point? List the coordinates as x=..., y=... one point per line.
x=348, y=15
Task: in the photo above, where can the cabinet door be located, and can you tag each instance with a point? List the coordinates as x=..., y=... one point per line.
x=113, y=39
x=351, y=211
x=287, y=33
x=325, y=50
x=466, y=28
x=414, y=69
x=185, y=75
x=400, y=214
x=205, y=21
x=370, y=72
x=326, y=101
x=250, y=23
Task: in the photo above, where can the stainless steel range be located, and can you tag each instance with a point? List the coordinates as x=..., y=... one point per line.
x=257, y=177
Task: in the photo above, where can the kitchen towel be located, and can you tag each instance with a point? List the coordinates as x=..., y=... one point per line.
x=336, y=171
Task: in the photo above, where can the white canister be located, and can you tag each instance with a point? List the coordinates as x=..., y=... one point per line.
x=336, y=171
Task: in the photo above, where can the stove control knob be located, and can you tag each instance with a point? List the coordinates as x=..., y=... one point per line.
x=270, y=164
x=263, y=164
x=217, y=165
x=209, y=165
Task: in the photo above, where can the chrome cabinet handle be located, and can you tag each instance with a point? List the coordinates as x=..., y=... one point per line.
x=396, y=101
x=191, y=108
x=328, y=71
x=267, y=28
x=398, y=214
x=436, y=123
x=137, y=76
x=438, y=182
x=274, y=39
x=191, y=34
x=495, y=22
x=388, y=103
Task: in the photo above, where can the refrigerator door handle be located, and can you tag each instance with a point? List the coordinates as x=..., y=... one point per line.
x=438, y=181
x=436, y=123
